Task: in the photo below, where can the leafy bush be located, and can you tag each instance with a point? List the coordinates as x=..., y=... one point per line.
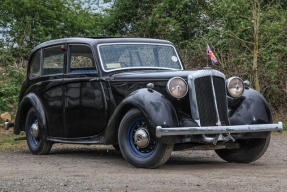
x=11, y=79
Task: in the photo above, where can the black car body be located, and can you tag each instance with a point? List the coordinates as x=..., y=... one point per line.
x=135, y=94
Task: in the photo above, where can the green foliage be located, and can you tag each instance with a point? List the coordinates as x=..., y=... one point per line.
x=174, y=20
x=26, y=23
x=6, y=56
x=11, y=79
x=273, y=55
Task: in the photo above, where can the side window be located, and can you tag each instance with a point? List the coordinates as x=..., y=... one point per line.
x=81, y=59
x=35, y=65
x=53, y=60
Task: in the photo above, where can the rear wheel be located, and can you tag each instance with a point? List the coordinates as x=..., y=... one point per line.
x=136, y=144
x=36, y=139
x=250, y=150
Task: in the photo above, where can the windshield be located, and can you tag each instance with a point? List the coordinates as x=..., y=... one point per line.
x=122, y=56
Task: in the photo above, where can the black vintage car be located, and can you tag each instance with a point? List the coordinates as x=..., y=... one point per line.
x=134, y=93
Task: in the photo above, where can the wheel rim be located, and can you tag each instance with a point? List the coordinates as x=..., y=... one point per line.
x=34, y=132
x=139, y=140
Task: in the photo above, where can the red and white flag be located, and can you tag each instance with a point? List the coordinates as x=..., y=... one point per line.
x=211, y=54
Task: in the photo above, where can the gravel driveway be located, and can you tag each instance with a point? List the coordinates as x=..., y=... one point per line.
x=101, y=168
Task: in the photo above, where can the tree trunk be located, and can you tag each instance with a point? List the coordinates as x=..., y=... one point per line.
x=256, y=22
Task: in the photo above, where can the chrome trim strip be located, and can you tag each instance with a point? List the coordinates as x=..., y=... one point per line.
x=218, y=129
x=151, y=68
x=192, y=97
x=215, y=101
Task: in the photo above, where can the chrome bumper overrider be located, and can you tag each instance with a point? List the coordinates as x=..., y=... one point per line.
x=8, y=125
x=217, y=129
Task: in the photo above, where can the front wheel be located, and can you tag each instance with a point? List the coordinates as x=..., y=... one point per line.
x=136, y=144
x=36, y=139
x=250, y=150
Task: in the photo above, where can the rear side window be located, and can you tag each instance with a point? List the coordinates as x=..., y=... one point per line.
x=81, y=59
x=35, y=68
x=53, y=62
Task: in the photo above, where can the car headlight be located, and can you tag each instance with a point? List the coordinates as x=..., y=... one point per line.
x=177, y=87
x=235, y=86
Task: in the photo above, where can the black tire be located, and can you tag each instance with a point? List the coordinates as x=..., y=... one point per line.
x=38, y=145
x=148, y=154
x=250, y=150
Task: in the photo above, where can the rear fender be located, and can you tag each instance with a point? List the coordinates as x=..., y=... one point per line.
x=30, y=100
x=156, y=109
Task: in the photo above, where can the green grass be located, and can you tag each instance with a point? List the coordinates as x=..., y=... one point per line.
x=284, y=133
x=7, y=140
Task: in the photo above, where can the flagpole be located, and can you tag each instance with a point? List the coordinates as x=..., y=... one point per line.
x=207, y=60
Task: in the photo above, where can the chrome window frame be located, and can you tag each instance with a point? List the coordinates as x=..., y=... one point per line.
x=69, y=55
x=125, y=68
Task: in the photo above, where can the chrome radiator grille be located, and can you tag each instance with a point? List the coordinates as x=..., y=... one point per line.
x=208, y=93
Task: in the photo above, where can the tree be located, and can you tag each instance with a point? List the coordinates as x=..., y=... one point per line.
x=178, y=21
x=26, y=23
x=256, y=24
x=250, y=40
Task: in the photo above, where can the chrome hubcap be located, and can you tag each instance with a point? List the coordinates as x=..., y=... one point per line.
x=34, y=129
x=141, y=137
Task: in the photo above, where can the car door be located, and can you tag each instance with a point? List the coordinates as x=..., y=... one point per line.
x=85, y=106
x=49, y=76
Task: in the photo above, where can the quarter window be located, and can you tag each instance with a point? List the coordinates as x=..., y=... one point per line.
x=35, y=65
x=53, y=60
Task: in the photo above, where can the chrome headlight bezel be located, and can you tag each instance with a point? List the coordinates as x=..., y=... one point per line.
x=177, y=87
x=235, y=86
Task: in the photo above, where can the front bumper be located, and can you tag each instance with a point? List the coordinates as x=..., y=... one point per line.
x=171, y=131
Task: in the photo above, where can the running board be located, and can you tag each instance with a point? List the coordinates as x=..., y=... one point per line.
x=82, y=140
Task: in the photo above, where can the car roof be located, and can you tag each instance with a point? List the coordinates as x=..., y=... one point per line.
x=99, y=40
x=94, y=41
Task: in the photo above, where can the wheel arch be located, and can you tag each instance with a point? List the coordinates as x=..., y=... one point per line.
x=153, y=105
x=29, y=101
x=253, y=109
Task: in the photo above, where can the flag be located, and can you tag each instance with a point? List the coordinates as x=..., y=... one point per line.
x=212, y=56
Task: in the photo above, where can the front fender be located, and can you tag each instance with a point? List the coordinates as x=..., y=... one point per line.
x=30, y=100
x=253, y=109
x=158, y=111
